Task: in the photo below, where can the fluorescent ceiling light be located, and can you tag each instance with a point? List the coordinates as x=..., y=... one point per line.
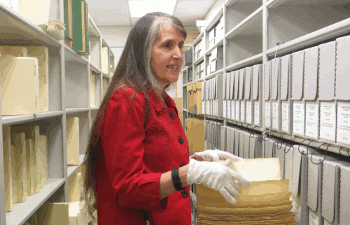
x=139, y=8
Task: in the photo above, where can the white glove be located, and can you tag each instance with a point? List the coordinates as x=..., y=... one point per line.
x=216, y=176
x=214, y=155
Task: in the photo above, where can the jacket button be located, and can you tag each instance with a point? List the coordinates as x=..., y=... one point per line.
x=181, y=140
x=184, y=193
x=172, y=116
x=182, y=164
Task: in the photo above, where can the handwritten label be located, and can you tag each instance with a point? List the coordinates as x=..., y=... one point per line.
x=242, y=111
x=285, y=117
x=233, y=112
x=237, y=110
x=249, y=112
x=312, y=121
x=224, y=108
x=257, y=113
x=313, y=218
x=298, y=118
x=327, y=121
x=343, y=125
x=267, y=114
x=275, y=115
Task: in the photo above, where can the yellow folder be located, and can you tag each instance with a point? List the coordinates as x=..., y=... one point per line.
x=6, y=133
x=18, y=139
x=42, y=54
x=72, y=141
x=30, y=166
x=53, y=214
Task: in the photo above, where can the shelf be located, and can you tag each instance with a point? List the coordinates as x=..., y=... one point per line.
x=246, y=62
x=221, y=42
x=239, y=11
x=185, y=85
x=72, y=56
x=77, y=110
x=22, y=211
x=214, y=74
x=200, y=59
x=245, y=125
x=252, y=25
x=287, y=19
x=93, y=30
x=11, y=120
x=331, y=31
x=314, y=143
x=199, y=38
x=15, y=28
x=106, y=76
x=72, y=169
x=95, y=68
x=214, y=20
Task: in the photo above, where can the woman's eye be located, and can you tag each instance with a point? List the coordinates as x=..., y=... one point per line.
x=167, y=45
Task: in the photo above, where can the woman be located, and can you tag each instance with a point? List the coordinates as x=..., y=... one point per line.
x=137, y=162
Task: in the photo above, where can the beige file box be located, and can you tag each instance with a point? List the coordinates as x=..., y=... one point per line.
x=45, y=14
x=105, y=86
x=30, y=166
x=74, y=187
x=42, y=54
x=33, y=132
x=72, y=141
x=53, y=214
x=19, y=85
x=15, y=51
x=14, y=175
x=7, y=168
x=104, y=60
x=44, y=159
x=92, y=90
x=18, y=139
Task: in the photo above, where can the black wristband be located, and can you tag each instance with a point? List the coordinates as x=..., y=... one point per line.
x=176, y=179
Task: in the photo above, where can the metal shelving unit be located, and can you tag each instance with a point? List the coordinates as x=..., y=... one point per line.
x=258, y=31
x=69, y=95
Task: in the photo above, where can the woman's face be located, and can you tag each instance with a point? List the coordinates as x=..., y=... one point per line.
x=166, y=57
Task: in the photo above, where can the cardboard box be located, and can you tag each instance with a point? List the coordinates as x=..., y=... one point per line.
x=178, y=103
x=197, y=98
x=194, y=130
x=190, y=100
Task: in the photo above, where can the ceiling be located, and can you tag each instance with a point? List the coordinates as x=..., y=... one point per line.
x=116, y=12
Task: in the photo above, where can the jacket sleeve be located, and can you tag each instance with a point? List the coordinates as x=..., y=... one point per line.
x=122, y=138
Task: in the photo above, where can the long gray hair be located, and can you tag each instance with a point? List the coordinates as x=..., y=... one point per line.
x=133, y=70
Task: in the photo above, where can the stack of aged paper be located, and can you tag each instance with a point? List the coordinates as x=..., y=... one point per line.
x=266, y=201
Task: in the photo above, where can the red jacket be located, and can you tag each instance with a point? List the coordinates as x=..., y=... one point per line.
x=137, y=149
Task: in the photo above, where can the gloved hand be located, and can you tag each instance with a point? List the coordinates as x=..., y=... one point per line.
x=214, y=155
x=216, y=176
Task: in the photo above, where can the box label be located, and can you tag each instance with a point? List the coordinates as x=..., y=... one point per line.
x=298, y=118
x=312, y=115
x=285, y=117
x=343, y=126
x=327, y=120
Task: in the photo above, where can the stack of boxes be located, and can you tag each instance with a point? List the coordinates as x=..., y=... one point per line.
x=194, y=94
x=200, y=71
x=216, y=61
x=198, y=50
x=216, y=34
